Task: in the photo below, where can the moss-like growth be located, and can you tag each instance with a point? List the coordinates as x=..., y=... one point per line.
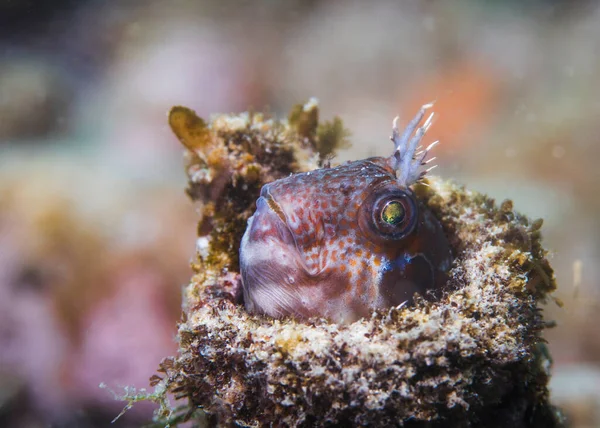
x=325, y=138
x=331, y=136
x=473, y=357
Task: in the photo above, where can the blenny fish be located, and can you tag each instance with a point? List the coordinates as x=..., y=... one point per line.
x=342, y=242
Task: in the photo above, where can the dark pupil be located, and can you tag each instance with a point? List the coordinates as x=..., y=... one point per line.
x=393, y=213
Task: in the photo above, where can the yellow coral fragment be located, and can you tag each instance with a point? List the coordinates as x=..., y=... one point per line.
x=190, y=129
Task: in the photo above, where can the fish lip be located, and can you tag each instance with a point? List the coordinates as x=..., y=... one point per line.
x=275, y=208
x=280, y=213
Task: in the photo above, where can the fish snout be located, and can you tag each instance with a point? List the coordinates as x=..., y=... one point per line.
x=269, y=263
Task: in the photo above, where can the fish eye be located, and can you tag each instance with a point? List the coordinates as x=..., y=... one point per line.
x=388, y=213
x=394, y=215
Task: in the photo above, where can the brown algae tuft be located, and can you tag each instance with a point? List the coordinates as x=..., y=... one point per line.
x=474, y=356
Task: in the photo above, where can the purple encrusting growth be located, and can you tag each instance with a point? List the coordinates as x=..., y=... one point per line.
x=341, y=242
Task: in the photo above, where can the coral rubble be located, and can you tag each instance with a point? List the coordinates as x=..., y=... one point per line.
x=473, y=357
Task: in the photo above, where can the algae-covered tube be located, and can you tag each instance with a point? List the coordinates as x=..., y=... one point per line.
x=280, y=337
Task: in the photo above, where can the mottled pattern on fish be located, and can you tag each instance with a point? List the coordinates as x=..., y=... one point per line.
x=342, y=242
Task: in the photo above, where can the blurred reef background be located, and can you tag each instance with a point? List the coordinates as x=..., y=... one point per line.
x=96, y=233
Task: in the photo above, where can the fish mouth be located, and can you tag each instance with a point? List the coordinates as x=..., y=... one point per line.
x=287, y=235
x=269, y=222
x=274, y=276
x=274, y=206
